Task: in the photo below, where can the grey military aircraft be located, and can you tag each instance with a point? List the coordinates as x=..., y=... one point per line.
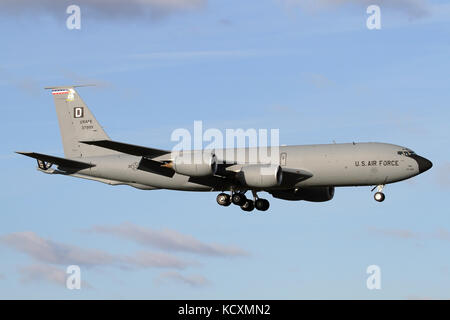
x=304, y=172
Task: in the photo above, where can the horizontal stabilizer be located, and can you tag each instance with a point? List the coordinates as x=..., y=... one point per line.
x=128, y=148
x=65, y=163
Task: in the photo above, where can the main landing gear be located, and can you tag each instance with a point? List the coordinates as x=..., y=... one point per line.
x=239, y=199
x=379, y=195
x=223, y=199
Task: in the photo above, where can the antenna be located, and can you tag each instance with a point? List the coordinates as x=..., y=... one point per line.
x=73, y=86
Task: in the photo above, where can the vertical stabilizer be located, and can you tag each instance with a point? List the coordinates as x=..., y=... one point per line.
x=77, y=123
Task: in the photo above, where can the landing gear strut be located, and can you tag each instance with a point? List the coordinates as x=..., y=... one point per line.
x=379, y=195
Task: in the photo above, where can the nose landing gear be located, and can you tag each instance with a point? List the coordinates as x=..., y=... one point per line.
x=379, y=195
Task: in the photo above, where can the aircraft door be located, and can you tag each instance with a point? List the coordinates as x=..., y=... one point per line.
x=283, y=159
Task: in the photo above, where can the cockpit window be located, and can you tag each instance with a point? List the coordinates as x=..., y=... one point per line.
x=406, y=153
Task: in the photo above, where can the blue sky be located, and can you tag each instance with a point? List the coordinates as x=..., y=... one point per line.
x=315, y=72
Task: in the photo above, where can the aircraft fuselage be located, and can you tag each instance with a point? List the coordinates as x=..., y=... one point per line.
x=348, y=164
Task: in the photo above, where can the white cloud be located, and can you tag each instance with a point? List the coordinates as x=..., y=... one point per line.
x=50, y=258
x=49, y=251
x=155, y=260
x=153, y=9
x=176, y=55
x=396, y=233
x=442, y=234
x=46, y=273
x=439, y=234
x=319, y=80
x=43, y=272
x=167, y=239
x=192, y=280
x=52, y=252
x=411, y=8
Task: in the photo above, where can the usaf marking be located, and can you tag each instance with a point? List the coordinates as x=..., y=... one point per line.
x=374, y=163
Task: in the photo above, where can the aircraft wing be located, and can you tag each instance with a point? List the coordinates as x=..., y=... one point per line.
x=65, y=163
x=225, y=170
x=128, y=148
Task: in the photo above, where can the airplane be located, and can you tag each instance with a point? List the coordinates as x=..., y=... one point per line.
x=302, y=172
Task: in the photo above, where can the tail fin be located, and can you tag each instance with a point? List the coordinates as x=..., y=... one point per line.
x=77, y=123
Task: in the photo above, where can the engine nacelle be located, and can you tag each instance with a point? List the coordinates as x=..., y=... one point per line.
x=187, y=166
x=260, y=175
x=313, y=194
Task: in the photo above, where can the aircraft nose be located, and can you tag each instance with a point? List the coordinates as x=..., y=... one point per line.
x=424, y=164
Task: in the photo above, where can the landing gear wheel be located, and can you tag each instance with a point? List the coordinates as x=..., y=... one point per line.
x=248, y=205
x=238, y=199
x=262, y=204
x=379, y=196
x=223, y=199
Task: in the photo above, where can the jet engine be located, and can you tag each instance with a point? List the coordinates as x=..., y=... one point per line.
x=260, y=175
x=187, y=166
x=313, y=194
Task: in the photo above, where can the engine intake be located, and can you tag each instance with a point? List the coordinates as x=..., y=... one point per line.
x=260, y=175
x=186, y=165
